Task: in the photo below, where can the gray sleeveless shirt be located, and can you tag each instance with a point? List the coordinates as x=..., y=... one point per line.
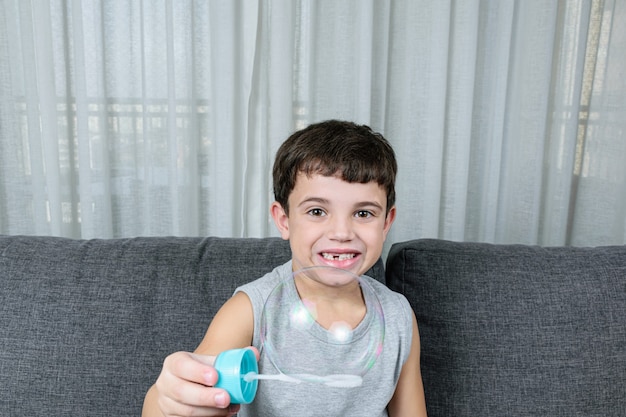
x=279, y=398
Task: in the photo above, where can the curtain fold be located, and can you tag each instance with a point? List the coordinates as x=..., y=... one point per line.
x=160, y=117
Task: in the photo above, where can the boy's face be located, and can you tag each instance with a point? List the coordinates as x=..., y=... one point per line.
x=335, y=223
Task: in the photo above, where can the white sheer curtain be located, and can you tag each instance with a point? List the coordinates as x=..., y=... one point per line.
x=126, y=117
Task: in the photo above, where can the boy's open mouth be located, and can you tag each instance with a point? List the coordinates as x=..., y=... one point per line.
x=338, y=256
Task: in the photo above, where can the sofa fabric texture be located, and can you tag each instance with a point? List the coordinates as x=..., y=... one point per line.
x=512, y=330
x=506, y=330
x=86, y=324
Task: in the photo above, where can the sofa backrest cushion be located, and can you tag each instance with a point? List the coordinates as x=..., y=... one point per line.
x=513, y=330
x=85, y=324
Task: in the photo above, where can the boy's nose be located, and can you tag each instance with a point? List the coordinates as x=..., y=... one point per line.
x=341, y=229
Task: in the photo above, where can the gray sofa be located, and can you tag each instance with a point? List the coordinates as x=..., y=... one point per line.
x=507, y=330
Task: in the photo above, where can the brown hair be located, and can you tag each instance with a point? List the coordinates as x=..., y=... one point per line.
x=354, y=153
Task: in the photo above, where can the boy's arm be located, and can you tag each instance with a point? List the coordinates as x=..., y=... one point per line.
x=184, y=386
x=408, y=399
x=231, y=328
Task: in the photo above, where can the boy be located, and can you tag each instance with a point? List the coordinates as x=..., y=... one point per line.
x=334, y=189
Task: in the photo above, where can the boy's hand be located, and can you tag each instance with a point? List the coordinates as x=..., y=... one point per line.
x=185, y=387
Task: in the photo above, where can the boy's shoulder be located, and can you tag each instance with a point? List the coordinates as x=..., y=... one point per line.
x=269, y=280
x=385, y=294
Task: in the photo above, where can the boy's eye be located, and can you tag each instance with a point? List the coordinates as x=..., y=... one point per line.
x=317, y=212
x=364, y=214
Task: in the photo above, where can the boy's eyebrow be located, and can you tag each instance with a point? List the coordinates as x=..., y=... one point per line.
x=370, y=204
x=360, y=204
x=313, y=200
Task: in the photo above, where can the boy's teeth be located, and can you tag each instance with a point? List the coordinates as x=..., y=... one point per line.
x=339, y=257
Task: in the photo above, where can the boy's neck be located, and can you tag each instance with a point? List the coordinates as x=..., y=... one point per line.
x=332, y=304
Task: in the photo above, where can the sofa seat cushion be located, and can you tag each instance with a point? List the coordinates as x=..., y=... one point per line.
x=513, y=330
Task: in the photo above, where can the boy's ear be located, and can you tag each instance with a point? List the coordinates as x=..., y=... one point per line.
x=391, y=216
x=281, y=220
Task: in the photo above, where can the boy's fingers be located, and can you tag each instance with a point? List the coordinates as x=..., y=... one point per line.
x=186, y=383
x=256, y=352
x=205, y=359
x=197, y=397
x=192, y=367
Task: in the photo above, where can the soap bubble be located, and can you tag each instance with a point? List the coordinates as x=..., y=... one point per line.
x=323, y=307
